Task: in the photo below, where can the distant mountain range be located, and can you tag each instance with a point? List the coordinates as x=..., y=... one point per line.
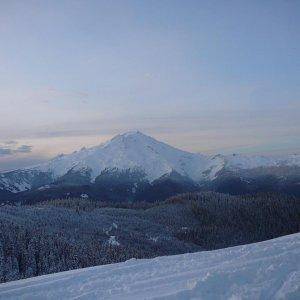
x=136, y=166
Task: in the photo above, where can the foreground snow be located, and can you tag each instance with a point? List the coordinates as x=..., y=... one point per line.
x=266, y=270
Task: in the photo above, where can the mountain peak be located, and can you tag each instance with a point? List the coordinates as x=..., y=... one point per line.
x=134, y=150
x=132, y=133
x=130, y=136
x=129, y=151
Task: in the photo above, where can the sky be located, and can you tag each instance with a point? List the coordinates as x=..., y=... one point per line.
x=204, y=76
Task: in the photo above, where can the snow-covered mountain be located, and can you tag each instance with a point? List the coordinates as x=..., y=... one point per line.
x=265, y=270
x=136, y=152
x=238, y=161
x=132, y=150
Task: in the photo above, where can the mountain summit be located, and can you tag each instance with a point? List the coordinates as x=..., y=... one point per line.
x=132, y=150
x=135, y=152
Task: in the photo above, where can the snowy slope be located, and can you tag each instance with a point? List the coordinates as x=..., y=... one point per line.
x=15, y=184
x=137, y=151
x=132, y=150
x=21, y=180
x=238, y=161
x=266, y=270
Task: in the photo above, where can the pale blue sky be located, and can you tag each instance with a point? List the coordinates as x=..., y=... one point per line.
x=212, y=76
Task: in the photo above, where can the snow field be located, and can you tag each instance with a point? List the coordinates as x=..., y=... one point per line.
x=265, y=270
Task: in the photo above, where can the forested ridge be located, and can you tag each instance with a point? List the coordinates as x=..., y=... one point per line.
x=65, y=234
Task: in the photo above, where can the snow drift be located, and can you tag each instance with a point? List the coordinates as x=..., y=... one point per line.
x=265, y=270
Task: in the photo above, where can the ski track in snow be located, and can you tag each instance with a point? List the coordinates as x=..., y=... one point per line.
x=265, y=270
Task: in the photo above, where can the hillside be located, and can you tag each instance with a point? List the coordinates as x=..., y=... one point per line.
x=67, y=234
x=265, y=270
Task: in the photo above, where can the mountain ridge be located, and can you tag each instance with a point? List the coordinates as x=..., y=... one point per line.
x=137, y=152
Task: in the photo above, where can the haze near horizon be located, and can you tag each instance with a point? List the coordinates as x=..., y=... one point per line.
x=214, y=77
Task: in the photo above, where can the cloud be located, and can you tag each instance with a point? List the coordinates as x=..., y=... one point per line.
x=55, y=95
x=24, y=149
x=10, y=143
x=10, y=149
x=5, y=151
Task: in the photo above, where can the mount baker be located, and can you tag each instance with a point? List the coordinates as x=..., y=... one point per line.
x=135, y=157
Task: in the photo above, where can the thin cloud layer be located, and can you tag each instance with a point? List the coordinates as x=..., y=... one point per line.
x=202, y=76
x=9, y=149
